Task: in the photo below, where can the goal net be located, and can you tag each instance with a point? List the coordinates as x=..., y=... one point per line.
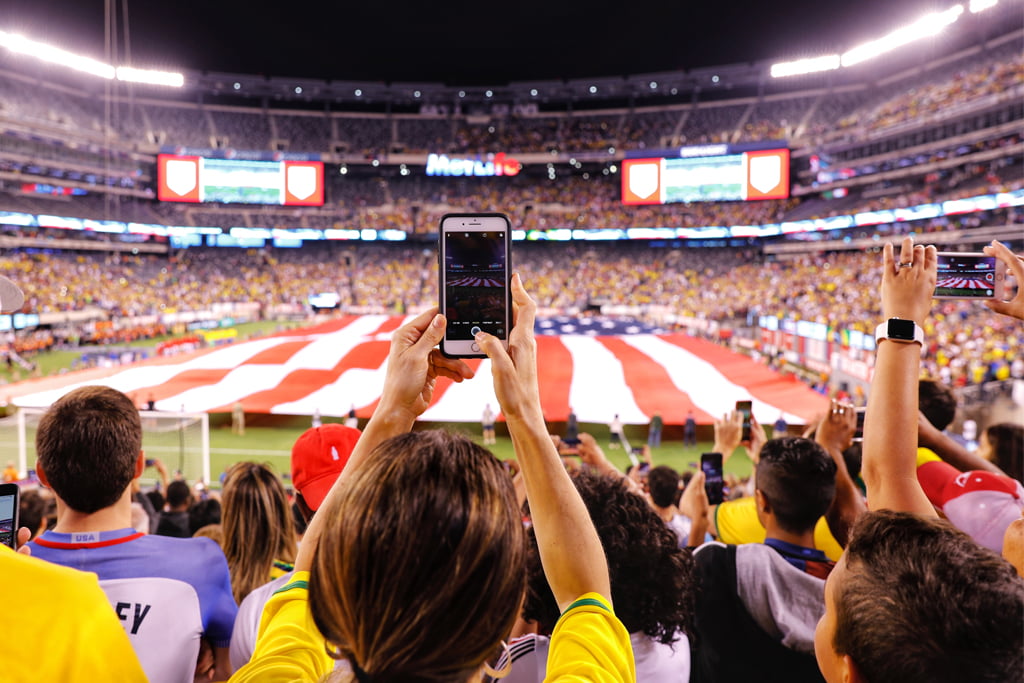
x=180, y=440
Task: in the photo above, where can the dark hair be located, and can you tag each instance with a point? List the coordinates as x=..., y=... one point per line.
x=419, y=569
x=87, y=445
x=202, y=513
x=32, y=511
x=663, y=485
x=854, y=459
x=920, y=602
x=798, y=479
x=937, y=402
x=651, y=576
x=178, y=493
x=156, y=499
x=1007, y=442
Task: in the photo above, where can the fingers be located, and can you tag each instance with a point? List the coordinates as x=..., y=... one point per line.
x=931, y=258
x=430, y=335
x=1003, y=253
x=452, y=368
x=525, y=308
x=492, y=346
x=24, y=534
x=907, y=250
x=889, y=259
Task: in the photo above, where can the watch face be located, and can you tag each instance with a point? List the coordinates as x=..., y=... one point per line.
x=901, y=329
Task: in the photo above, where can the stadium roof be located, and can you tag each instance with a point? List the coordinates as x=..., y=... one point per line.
x=460, y=42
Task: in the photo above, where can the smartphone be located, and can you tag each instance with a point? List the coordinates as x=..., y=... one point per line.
x=476, y=269
x=744, y=408
x=969, y=275
x=714, y=484
x=150, y=462
x=861, y=412
x=10, y=501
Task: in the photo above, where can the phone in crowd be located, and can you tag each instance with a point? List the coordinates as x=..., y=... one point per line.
x=714, y=483
x=861, y=412
x=150, y=462
x=969, y=275
x=10, y=501
x=476, y=269
x=744, y=408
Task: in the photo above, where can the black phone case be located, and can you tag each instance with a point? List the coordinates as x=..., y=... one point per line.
x=508, y=277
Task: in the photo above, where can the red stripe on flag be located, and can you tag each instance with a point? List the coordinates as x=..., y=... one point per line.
x=301, y=383
x=276, y=355
x=554, y=372
x=652, y=387
x=785, y=392
x=183, y=381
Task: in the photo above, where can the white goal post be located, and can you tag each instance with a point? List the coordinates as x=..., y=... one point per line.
x=180, y=440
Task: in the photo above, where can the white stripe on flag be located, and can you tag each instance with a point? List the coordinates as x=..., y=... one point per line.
x=599, y=390
x=465, y=402
x=709, y=389
x=323, y=353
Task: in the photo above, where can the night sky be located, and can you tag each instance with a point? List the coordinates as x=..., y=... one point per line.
x=460, y=42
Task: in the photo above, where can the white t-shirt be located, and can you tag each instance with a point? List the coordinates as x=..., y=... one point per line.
x=655, y=662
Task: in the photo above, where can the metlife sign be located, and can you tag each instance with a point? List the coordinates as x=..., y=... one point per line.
x=483, y=167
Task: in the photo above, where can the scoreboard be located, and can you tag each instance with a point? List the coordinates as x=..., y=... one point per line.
x=711, y=173
x=202, y=179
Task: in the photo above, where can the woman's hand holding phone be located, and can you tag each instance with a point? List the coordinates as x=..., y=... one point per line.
x=1015, y=306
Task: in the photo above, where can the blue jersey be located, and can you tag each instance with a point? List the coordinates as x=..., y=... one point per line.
x=168, y=592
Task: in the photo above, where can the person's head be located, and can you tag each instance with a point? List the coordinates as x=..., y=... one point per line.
x=318, y=457
x=651, y=576
x=1003, y=444
x=663, y=486
x=913, y=600
x=179, y=495
x=420, y=571
x=32, y=511
x=202, y=513
x=88, y=447
x=257, y=525
x=937, y=402
x=795, y=483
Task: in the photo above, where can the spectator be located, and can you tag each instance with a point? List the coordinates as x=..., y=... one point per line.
x=169, y=592
x=913, y=600
x=487, y=425
x=174, y=520
x=1003, y=444
x=10, y=473
x=259, y=536
x=32, y=511
x=203, y=513
x=757, y=604
x=663, y=487
x=459, y=524
x=318, y=456
x=651, y=580
x=690, y=430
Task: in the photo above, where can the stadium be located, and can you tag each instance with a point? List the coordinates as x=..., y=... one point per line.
x=234, y=251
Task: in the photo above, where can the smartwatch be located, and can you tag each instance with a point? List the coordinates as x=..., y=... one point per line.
x=898, y=330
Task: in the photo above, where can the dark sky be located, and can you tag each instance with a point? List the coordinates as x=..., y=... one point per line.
x=462, y=42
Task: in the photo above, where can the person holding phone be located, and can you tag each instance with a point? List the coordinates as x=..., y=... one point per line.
x=439, y=608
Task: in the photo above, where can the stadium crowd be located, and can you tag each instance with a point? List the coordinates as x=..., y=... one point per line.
x=831, y=563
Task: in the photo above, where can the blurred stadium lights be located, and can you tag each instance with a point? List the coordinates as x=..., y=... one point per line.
x=982, y=5
x=928, y=25
x=54, y=55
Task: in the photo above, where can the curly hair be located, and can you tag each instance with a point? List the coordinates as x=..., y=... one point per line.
x=652, y=577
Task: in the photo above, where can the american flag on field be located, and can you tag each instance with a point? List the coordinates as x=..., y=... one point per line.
x=598, y=367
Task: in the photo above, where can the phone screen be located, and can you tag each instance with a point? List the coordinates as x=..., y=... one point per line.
x=8, y=514
x=861, y=412
x=714, y=484
x=744, y=408
x=475, y=280
x=966, y=276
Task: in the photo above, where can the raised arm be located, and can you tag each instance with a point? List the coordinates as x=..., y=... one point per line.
x=413, y=368
x=890, y=427
x=570, y=549
x=1015, y=306
x=835, y=435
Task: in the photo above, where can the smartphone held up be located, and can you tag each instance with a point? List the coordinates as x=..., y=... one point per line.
x=969, y=275
x=474, y=251
x=9, y=506
x=714, y=480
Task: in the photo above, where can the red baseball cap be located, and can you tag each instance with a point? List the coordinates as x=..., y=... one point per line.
x=318, y=457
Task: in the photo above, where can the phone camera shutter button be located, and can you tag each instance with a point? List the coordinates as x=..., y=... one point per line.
x=475, y=330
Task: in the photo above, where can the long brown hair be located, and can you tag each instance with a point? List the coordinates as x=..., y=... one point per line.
x=257, y=525
x=420, y=573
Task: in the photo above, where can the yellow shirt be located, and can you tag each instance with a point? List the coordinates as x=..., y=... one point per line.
x=590, y=644
x=288, y=646
x=737, y=523
x=58, y=626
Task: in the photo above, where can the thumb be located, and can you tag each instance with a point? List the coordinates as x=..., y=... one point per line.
x=431, y=336
x=491, y=346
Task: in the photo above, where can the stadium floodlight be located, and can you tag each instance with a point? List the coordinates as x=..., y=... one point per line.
x=150, y=76
x=928, y=25
x=982, y=5
x=808, y=65
x=55, y=55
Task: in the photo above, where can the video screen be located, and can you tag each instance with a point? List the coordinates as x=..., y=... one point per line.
x=237, y=181
x=966, y=276
x=475, y=283
x=762, y=174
